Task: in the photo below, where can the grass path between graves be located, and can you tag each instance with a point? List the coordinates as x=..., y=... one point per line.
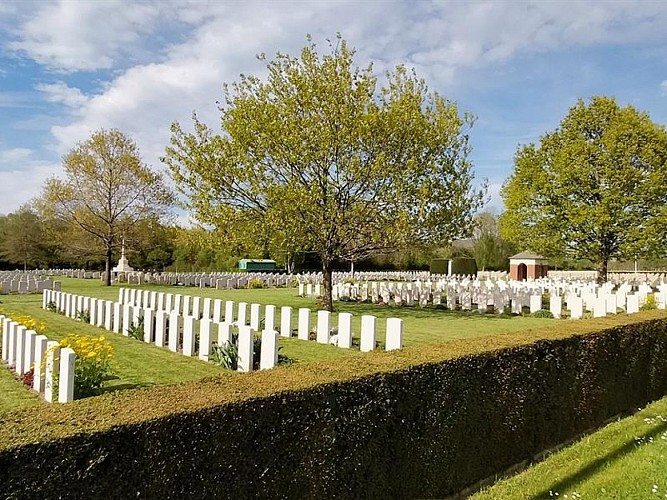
x=626, y=459
x=13, y=395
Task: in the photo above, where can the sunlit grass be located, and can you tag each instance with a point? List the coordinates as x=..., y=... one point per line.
x=626, y=460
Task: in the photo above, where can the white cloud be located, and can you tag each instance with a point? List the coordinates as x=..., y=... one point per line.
x=663, y=87
x=20, y=185
x=85, y=35
x=181, y=74
x=14, y=155
x=60, y=93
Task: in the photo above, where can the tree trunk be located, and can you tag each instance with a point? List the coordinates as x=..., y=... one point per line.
x=107, y=280
x=327, y=269
x=602, y=271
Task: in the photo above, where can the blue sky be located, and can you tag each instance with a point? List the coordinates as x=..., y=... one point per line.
x=68, y=68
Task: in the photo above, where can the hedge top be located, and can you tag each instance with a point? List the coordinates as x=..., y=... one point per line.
x=51, y=422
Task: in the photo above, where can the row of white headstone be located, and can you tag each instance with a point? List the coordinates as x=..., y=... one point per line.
x=166, y=329
x=175, y=328
x=24, y=350
x=212, y=309
x=463, y=293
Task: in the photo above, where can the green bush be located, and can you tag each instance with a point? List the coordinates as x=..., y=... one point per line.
x=83, y=316
x=136, y=330
x=542, y=313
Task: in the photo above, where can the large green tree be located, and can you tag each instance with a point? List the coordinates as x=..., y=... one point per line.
x=595, y=188
x=316, y=157
x=106, y=192
x=489, y=250
x=22, y=238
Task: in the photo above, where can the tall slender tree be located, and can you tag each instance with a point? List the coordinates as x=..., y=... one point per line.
x=106, y=191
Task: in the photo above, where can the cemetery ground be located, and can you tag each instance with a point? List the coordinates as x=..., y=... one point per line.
x=141, y=365
x=622, y=460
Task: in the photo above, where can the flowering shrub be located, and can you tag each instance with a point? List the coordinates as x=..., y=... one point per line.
x=256, y=284
x=94, y=356
x=30, y=323
x=650, y=303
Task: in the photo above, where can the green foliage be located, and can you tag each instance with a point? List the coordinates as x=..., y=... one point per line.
x=107, y=190
x=136, y=329
x=317, y=158
x=227, y=354
x=94, y=356
x=51, y=306
x=595, y=188
x=542, y=313
x=489, y=250
x=83, y=316
x=650, y=303
x=22, y=238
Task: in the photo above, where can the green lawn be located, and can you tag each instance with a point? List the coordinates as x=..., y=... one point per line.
x=140, y=365
x=625, y=460
x=13, y=394
x=421, y=325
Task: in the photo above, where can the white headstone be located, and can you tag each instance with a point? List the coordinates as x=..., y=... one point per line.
x=303, y=328
x=368, y=333
x=174, y=330
x=38, y=374
x=189, y=335
x=224, y=333
x=285, y=321
x=535, y=303
x=19, y=355
x=229, y=311
x=205, y=338
x=555, y=305
x=149, y=325
x=600, y=307
x=66, y=375
x=161, y=318
x=345, y=330
x=268, y=357
x=29, y=350
x=632, y=304
x=117, y=317
x=242, y=314
x=270, y=318
x=576, y=308
x=51, y=370
x=255, y=316
x=246, y=337
x=394, y=336
x=323, y=326
x=217, y=310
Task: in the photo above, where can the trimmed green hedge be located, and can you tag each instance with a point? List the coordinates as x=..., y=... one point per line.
x=413, y=423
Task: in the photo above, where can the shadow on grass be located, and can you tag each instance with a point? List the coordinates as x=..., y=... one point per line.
x=594, y=466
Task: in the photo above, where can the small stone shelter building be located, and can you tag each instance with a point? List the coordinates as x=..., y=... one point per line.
x=528, y=265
